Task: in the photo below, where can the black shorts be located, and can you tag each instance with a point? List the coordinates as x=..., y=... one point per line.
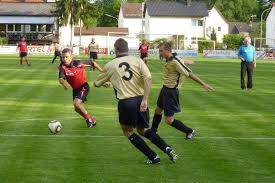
x=143, y=55
x=93, y=55
x=129, y=113
x=57, y=53
x=82, y=92
x=168, y=100
x=23, y=54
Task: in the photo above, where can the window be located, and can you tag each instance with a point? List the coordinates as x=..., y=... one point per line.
x=3, y=27
x=33, y=28
x=48, y=28
x=194, y=40
x=219, y=29
x=194, y=22
x=17, y=27
x=10, y=27
x=200, y=22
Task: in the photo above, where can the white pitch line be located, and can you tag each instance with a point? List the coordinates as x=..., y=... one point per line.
x=118, y=136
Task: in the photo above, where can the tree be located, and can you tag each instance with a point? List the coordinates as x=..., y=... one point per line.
x=213, y=35
x=72, y=11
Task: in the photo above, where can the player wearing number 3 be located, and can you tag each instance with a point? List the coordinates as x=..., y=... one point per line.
x=131, y=80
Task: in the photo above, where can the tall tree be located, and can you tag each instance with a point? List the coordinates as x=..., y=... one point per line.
x=72, y=11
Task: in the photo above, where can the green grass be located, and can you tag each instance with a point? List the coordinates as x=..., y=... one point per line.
x=235, y=142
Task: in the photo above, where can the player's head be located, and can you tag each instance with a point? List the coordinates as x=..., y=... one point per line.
x=93, y=39
x=67, y=56
x=165, y=50
x=23, y=39
x=121, y=47
x=247, y=40
x=143, y=41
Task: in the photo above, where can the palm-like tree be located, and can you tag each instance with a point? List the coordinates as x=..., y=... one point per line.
x=75, y=11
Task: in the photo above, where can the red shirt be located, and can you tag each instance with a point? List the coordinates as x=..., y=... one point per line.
x=143, y=48
x=74, y=74
x=23, y=47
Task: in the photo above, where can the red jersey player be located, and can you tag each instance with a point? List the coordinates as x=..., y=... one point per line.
x=74, y=73
x=23, y=51
x=143, y=48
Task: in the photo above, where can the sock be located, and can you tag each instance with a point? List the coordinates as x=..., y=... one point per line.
x=21, y=61
x=156, y=139
x=27, y=61
x=180, y=126
x=86, y=115
x=142, y=146
x=156, y=121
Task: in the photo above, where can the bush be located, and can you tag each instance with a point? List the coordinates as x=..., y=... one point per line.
x=3, y=41
x=233, y=41
x=155, y=43
x=204, y=45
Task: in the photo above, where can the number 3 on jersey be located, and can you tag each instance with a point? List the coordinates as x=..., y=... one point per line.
x=126, y=69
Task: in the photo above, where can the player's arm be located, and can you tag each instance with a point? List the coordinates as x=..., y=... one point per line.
x=199, y=81
x=254, y=59
x=240, y=54
x=102, y=79
x=147, y=86
x=92, y=64
x=62, y=80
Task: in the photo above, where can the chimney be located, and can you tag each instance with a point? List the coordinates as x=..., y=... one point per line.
x=188, y=2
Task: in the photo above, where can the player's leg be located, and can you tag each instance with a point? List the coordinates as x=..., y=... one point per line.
x=21, y=58
x=243, y=71
x=80, y=96
x=26, y=60
x=158, y=111
x=249, y=75
x=55, y=56
x=140, y=144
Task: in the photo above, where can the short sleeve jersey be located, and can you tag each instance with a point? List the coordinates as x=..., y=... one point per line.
x=174, y=72
x=127, y=74
x=93, y=47
x=23, y=47
x=74, y=74
x=247, y=52
x=143, y=48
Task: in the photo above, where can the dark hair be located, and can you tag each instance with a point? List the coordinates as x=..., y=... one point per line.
x=66, y=50
x=166, y=46
x=121, y=46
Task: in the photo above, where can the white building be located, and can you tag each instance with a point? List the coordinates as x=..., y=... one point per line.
x=215, y=21
x=130, y=16
x=188, y=22
x=270, y=28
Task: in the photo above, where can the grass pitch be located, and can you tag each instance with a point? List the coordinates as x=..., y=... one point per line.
x=235, y=141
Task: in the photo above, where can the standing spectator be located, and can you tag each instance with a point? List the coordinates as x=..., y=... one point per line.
x=57, y=52
x=174, y=73
x=132, y=82
x=23, y=51
x=93, y=49
x=144, y=48
x=247, y=54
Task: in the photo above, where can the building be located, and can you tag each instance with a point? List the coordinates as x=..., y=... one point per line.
x=35, y=20
x=242, y=28
x=130, y=16
x=186, y=22
x=270, y=28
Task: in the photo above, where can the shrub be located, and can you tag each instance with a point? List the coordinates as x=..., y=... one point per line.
x=233, y=41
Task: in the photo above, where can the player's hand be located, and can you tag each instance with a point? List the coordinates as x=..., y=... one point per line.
x=65, y=87
x=143, y=106
x=107, y=85
x=254, y=65
x=188, y=62
x=208, y=87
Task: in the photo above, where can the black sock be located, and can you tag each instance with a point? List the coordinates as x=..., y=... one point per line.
x=156, y=121
x=180, y=126
x=142, y=146
x=156, y=139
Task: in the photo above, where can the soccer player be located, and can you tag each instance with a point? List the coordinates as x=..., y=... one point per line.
x=23, y=51
x=144, y=48
x=131, y=80
x=93, y=48
x=74, y=73
x=57, y=52
x=174, y=72
x=247, y=54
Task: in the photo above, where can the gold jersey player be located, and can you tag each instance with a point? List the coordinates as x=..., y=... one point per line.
x=174, y=73
x=131, y=80
x=73, y=71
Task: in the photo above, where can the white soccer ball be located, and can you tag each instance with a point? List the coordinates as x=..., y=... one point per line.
x=55, y=126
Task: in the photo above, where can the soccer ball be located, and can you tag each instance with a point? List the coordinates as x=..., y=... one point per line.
x=55, y=126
